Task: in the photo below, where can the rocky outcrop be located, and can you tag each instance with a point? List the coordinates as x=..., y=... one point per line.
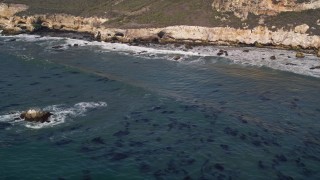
x=36, y=116
x=242, y=8
x=19, y=24
x=71, y=23
x=224, y=35
x=303, y=28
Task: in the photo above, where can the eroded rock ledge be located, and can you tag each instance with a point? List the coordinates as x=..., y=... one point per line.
x=259, y=36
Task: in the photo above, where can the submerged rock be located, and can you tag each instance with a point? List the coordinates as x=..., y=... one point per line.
x=188, y=46
x=10, y=40
x=57, y=47
x=291, y=64
x=220, y=52
x=176, y=58
x=300, y=55
x=315, y=67
x=36, y=116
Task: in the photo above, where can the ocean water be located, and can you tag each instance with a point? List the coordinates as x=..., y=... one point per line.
x=126, y=112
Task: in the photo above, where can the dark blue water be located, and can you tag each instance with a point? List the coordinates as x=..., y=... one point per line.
x=121, y=116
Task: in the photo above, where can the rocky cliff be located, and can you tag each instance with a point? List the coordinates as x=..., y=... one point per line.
x=296, y=38
x=21, y=24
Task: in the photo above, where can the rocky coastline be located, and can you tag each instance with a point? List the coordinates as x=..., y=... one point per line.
x=93, y=28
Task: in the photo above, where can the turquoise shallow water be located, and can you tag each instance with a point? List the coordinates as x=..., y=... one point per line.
x=121, y=116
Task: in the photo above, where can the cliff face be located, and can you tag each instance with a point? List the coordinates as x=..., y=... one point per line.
x=259, y=36
x=224, y=35
x=242, y=8
x=20, y=24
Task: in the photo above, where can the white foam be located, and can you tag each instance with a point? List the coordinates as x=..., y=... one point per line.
x=128, y=48
x=10, y=116
x=259, y=57
x=60, y=114
x=33, y=38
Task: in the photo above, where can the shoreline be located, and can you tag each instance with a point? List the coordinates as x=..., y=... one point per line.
x=277, y=59
x=121, y=36
x=295, y=42
x=66, y=34
x=188, y=44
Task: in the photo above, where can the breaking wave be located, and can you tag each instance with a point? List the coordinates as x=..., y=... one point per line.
x=258, y=57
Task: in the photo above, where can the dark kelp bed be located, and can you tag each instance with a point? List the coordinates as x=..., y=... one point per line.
x=163, y=120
